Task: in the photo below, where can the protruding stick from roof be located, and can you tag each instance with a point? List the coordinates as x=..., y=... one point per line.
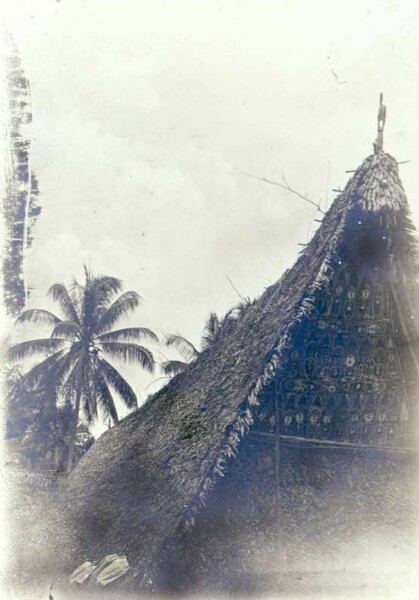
x=381, y=120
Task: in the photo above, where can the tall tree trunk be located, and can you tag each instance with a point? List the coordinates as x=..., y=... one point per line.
x=20, y=188
x=73, y=432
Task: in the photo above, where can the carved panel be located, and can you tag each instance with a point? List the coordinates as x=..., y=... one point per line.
x=341, y=377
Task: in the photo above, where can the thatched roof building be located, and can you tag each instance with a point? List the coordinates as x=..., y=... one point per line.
x=306, y=405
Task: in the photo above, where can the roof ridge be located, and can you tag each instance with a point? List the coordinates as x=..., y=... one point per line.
x=376, y=184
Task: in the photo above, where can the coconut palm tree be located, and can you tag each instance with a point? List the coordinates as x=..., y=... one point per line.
x=76, y=366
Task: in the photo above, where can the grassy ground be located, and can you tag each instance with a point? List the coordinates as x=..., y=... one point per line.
x=31, y=513
x=287, y=586
x=34, y=563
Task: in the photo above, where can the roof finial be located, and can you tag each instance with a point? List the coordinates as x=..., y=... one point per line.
x=381, y=120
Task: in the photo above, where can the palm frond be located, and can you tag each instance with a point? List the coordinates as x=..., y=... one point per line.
x=89, y=392
x=73, y=382
x=40, y=346
x=104, y=396
x=40, y=386
x=50, y=377
x=120, y=308
x=60, y=372
x=98, y=293
x=60, y=294
x=87, y=407
x=40, y=372
x=76, y=293
x=39, y=316
x=66, y=329
x=118, y=384
x=183, y=346
x=173, y=367
x=132, y=353
x=128, y=334
x=105, y=289
x=211, y=331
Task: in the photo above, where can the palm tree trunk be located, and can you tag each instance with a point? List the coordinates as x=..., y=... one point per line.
x=73, y=432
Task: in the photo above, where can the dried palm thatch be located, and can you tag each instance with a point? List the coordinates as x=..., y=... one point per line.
x=148, y=477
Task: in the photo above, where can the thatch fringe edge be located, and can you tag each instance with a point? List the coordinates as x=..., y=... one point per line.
x=245, y=417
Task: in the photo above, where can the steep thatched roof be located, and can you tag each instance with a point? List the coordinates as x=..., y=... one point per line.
x=148, y=476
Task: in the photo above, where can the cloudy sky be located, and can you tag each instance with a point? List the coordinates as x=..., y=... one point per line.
x=148, y=113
